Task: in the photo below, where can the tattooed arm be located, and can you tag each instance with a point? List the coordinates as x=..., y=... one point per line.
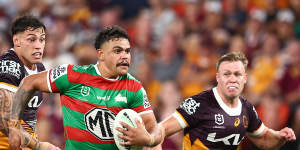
x=26, y=90
x=5, y=109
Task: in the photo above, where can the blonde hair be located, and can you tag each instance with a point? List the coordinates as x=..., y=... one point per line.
x=233, y=56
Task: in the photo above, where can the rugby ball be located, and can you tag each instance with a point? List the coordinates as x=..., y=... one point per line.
x=127, y=116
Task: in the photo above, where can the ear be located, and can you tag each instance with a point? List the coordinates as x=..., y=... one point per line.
x=217, y=77
x=100, y=54
x=16, y=41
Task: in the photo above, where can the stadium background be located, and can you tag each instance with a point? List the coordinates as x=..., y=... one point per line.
x=176, y=44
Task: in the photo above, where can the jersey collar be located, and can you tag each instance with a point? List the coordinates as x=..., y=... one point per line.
x=230, y=111
x=98, y=72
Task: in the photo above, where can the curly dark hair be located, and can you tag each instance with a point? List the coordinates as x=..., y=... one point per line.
x=26, y=22
x=110, y=33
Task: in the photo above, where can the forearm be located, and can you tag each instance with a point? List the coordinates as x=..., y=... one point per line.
x=270, y=140
x=5, y=109
x=21, y=98
x=28, y=141
x=157, y=136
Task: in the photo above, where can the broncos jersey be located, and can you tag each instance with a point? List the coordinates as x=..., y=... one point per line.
x=209, y=124
x=12, y=71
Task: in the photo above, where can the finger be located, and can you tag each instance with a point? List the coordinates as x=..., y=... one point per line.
x=128, y=127
x=138, y=123
x=122, y=130
x=124, y=137
x=125, y=143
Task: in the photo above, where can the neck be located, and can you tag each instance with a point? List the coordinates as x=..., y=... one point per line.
x=231, y=102
x=105, y=72
x=29, y=65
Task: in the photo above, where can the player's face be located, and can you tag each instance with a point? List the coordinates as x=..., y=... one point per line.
x=231, y=78
x=116, y=56
x=31, y=44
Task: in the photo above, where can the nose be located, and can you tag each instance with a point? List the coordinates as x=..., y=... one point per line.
x=39, y=44
x=232, y=78
x=125, y=55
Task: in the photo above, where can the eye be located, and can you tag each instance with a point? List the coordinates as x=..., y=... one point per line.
x=237, y=74
x=128, y=50
x=42, y=39
x=31, y=39
x=227, y=74
x=118, y=51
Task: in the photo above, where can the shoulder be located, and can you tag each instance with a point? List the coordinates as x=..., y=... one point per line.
x=12, y=70
x=9, y=55
x=246, y=103
x=132, y=83
x=131, y=77
x=201, y=100
x=84, y=68
x=59, y=71
x=204, y=96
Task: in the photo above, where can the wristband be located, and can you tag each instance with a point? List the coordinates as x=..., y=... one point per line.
x=151, y=143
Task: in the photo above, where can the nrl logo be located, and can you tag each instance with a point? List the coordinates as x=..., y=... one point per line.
x=219, y=119
x=85, y=90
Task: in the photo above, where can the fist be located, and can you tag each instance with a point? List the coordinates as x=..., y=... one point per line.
x=287, y=134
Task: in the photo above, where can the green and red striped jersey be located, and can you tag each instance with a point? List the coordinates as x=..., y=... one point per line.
x=91, y=102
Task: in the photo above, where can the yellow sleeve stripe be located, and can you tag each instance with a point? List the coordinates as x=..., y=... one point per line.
x=26, y=127
x=180, y=119
x=9, y=87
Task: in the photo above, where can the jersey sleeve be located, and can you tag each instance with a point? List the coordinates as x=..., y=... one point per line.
x=57, y=78
x=10, y=75
x=189, y=112
x=256, y=126
x=141, y=103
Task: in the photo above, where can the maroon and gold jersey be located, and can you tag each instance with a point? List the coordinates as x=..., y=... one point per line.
x=12, y=71
x=209, y=124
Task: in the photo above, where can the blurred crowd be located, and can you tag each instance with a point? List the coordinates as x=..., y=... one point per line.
x=175, y=46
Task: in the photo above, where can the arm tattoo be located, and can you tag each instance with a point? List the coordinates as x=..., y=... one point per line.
x=5, y=109
x=19, y=100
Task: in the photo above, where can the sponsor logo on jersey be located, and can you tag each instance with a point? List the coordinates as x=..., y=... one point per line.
x=145, y=99
x=10, y=67
x=237, y=122
x=58, y=72
x=85, y=90
x=120, y=98
x=219, y=119
x=245, y=121
x=190, y=106
x=104, y=98
x=99, y=122
x=212, y=138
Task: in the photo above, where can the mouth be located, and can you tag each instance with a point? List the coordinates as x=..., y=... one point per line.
x=126, y=64
x=232, y=87
x=37, y=55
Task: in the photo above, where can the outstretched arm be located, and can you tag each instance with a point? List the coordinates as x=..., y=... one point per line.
x=17, y=105
x=270, y=139
x=166, y=128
